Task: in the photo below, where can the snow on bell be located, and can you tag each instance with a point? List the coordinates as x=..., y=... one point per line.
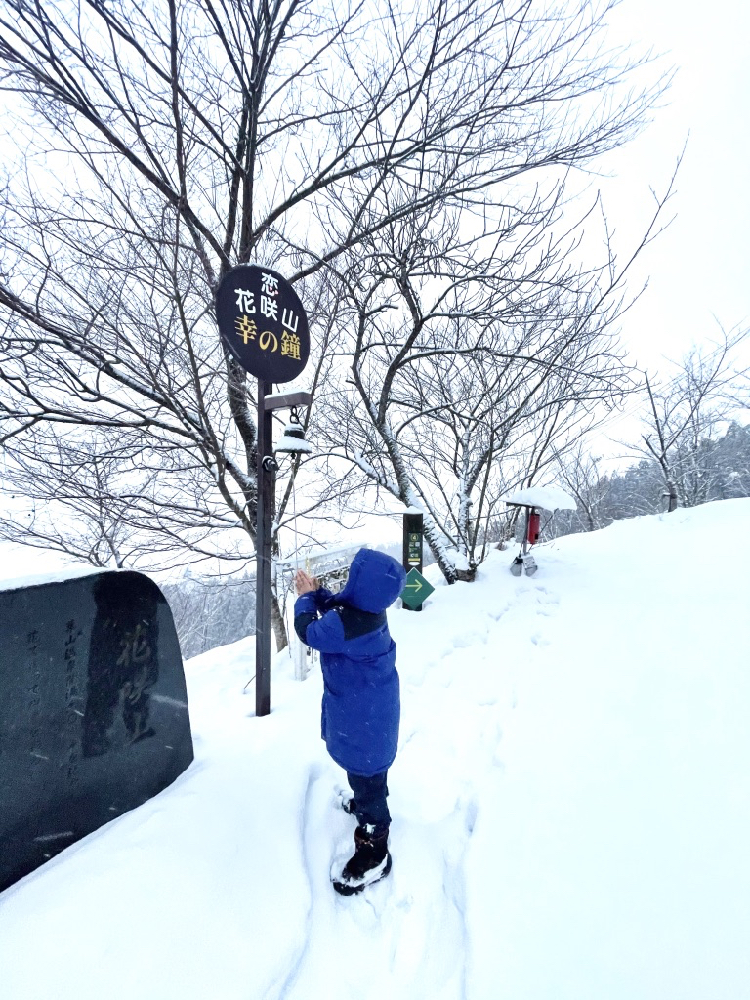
x=293, y=442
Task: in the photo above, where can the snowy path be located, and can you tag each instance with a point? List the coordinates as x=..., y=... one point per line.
x=570, y=801
x=623, y=822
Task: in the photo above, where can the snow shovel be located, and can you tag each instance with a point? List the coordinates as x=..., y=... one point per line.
x=529, y=564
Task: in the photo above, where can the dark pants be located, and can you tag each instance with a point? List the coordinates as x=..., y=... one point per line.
x=370, y=805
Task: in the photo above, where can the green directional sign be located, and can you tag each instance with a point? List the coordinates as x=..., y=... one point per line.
x=416, y=589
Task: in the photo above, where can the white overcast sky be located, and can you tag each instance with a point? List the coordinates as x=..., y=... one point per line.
x=699, y=269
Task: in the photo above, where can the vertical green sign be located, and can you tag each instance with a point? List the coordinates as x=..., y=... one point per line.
x=413, y=542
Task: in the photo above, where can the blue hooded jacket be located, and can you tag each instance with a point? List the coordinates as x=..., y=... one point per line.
x=360, y=711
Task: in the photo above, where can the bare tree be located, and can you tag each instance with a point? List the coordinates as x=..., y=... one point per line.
x=685, y=414
x=160, y=144
x=210, y=612
x=469, y=376
x=580, y=474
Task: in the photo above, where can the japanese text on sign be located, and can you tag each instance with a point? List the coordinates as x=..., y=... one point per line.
x=263, y=323
x=246, y=327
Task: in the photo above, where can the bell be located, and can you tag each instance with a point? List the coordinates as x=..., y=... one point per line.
x=292, y=442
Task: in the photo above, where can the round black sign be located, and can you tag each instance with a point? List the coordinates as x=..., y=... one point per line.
x=262, y=322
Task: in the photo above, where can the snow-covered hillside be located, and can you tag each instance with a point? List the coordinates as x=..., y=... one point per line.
x=571, y=807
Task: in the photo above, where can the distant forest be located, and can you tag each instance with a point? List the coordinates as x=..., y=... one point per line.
x=709, y=469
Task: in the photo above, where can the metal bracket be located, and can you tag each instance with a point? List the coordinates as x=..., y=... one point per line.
x=277, y=402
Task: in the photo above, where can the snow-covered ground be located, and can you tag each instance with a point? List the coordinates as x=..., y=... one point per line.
x=571, y=807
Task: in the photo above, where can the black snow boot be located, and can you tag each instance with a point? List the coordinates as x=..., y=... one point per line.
x=349, y=806
x=370, y=862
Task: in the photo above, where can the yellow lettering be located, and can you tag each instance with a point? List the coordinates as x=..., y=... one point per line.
x=246, y=328
x=265, y=340
x=290, y=345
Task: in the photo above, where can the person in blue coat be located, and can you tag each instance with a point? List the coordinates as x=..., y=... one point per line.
x=360, y=709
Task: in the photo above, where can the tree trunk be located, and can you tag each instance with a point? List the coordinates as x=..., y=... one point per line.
x=278, y=624
x=673, y=500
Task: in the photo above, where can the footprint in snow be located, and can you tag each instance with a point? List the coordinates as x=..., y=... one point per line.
x=539, y=640
x=543, y=596
x=469, y=639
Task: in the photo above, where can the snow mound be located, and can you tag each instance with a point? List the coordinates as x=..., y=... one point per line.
x=547, y=497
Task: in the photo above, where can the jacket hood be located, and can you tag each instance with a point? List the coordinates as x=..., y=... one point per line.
x=375, y=581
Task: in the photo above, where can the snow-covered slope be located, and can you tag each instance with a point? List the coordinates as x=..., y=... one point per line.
x=570, y=800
